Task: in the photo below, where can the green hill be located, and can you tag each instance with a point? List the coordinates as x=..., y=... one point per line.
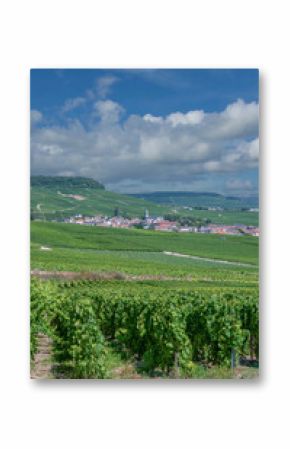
x=61, y=197
x=56, y=198
x=65, y=182
x=200, y=199
x=71, y=236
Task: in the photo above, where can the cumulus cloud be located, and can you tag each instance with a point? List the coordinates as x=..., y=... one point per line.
x=148, y=152
x=35, y=117
x=109, y=111
x=152, y=119
x=239, y=119
x=104, y=85
x=73, y=103
x=190, y=118
x=177, y=118
x=101, y=89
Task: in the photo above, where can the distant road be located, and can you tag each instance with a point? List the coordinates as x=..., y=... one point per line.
x=227, y=262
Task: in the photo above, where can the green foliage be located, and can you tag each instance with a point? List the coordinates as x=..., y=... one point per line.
x=143, y=264
x=172, y=327
x=187, y=220
x=195, y=326
x=78, y=345
x=60, y=235
x=65, y=182
x=171, y=217
x=48, y=201
x=43, y=296
x=163, y=329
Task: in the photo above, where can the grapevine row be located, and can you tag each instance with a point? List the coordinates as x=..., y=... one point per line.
x=161, y=329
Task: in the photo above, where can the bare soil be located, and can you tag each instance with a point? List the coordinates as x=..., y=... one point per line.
x=41, y=367
x=87, y=275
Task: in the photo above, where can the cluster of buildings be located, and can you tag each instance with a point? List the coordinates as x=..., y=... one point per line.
x=155, y=223
x=160, y=224
x=238, y=229
x=100, y=220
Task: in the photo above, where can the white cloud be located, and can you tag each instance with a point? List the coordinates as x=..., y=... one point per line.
x=51, y=150
x=190, y=118
x=100, y=90
x=35, y=117
x=177, y=118
x=104, y=85
x=73, y=103
x=253, y=149
x=152, y=119
x=239, y=119
x=212, y=166
x=108, y=110
x=149, y=150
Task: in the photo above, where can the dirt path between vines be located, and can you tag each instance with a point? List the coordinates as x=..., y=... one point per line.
x=205, y=259
x=92, y=276
x=42, y=366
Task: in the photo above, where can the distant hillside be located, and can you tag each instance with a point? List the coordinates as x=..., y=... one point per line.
x=56, y=198
x=61, y=197
x=199, y=199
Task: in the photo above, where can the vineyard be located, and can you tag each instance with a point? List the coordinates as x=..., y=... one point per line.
x=163, y=331
x=112, y=303
x=70, y=236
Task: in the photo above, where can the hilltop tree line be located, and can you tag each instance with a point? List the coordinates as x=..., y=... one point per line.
x=64, y=182
x=187, y=220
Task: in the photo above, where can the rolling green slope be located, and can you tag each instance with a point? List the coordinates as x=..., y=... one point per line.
x=227, y=217
x=49, y=203
x=202, y=199
x=59, y=235
x=55, y=198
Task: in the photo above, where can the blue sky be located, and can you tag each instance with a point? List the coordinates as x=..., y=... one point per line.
x=146, y=130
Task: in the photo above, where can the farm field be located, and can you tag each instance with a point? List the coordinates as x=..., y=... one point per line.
x=143, y=265
x=242, y=249
x=226, y=217
x=123, y=281
x=119, y=330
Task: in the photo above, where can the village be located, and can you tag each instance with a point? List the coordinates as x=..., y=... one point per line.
x=161, y=224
